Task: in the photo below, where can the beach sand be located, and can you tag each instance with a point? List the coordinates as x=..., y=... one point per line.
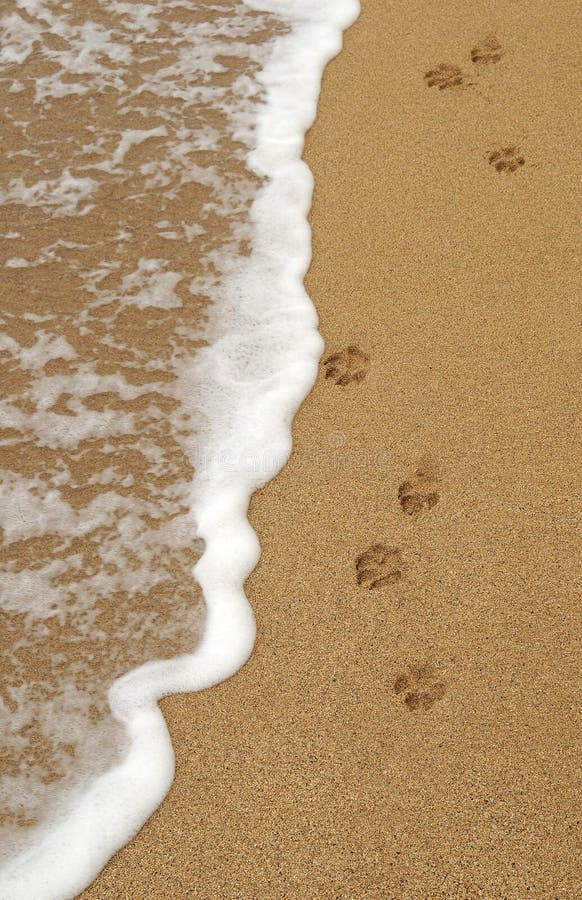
x=406, y=726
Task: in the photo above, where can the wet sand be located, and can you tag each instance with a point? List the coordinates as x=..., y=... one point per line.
x=406, y=726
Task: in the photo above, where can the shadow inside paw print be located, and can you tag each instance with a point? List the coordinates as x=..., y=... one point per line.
x=379, y=566
x=508, y=159
x=487, y=51
x=420, y=491
x=444, y=76
x=419, y=687
x=346, y=366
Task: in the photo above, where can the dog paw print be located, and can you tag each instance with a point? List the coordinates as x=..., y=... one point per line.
x=379, y=566
x=346, y=366
x=419, y=492
x=419, y=687
x=508, y=159
x=487, y=51
x=444, y=76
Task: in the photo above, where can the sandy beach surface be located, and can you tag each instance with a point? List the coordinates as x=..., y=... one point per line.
x=406, y=726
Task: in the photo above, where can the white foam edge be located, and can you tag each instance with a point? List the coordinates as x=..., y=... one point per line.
x=67, y=855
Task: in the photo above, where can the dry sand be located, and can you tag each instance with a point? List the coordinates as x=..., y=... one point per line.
x=413, y=737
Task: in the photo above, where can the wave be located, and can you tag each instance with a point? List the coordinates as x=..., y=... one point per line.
x=241, y=389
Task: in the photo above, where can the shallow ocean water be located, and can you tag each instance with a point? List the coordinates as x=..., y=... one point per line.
x=124, y=188
x=155, y=342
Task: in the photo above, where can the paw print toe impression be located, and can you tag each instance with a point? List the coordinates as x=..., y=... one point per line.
x=419, y=687
x=379, y=566
x=508, y=159
x=487, y=51
x=444, y=77
x=347, y=366
x=419, y=492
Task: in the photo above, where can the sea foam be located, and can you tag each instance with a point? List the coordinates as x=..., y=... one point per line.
x=242, y=389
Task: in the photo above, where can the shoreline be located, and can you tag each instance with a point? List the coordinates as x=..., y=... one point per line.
x=410, y=732
x=221, y=388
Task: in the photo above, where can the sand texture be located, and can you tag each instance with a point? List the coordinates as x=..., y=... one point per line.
x=406, y=726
